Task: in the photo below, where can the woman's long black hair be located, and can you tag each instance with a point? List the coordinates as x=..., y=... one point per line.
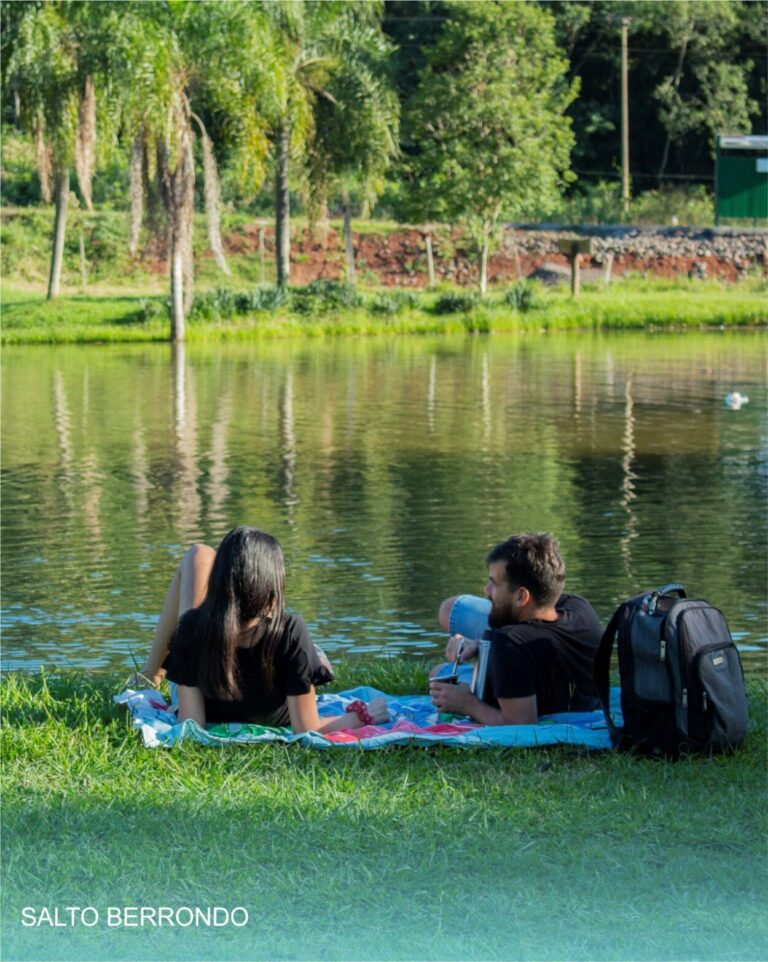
x=247, y=581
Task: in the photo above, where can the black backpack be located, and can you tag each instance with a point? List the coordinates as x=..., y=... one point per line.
x=682, y=684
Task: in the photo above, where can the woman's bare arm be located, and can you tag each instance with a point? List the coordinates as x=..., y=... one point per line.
x=305, y=717
x=191, y=704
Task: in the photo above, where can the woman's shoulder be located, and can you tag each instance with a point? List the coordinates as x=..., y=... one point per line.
x=183, y=634
x=295, y=629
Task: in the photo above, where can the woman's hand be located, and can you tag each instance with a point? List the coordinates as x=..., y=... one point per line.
x=304, y=716
x=377, y=709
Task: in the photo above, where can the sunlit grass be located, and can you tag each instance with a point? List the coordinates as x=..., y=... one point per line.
x=628, y=304
x=401, y=854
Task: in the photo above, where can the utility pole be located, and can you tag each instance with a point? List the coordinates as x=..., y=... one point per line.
x=625, y=116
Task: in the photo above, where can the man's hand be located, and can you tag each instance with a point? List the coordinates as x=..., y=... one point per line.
x=468, y=652
x=455, y=699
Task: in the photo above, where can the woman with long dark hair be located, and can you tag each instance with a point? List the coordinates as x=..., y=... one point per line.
x=234, y=654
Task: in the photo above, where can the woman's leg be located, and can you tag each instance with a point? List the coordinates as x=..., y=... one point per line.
x=187, y=590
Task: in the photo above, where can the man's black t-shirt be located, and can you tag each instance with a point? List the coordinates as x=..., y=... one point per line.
x=552, y=660
x=297, y=668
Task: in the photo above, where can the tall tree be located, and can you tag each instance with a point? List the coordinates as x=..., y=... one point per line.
x=355, y=126
x=485, y=129
x=185, y=63
x=315, y=40
x=57, y=54
x=707, y=91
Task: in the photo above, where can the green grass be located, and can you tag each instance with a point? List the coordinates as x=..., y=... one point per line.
x=396, y=854
x=120, y=288
x=628, y=304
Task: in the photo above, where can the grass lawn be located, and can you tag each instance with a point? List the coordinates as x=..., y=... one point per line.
x=396, y=854
x=630, y=303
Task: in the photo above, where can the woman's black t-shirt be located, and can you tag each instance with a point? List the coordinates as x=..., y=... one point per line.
x=297, y=669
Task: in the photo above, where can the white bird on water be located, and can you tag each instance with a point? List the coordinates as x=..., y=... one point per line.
x=736, y=400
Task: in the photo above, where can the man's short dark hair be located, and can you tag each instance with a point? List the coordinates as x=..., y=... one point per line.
x=533, y=561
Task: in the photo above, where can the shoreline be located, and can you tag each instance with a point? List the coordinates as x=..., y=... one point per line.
x=629, y=304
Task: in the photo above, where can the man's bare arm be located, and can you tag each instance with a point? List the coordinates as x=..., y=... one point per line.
x=459, y=700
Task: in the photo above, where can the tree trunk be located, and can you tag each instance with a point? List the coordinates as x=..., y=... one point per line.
x=484, y=264
x=177, y=289
x=137, y=193
x=85, y=141
x=349, y=250
x=282, y=209
x=43, y=159
x=212, y=201
x=676, y=84
x=61, y=197
x=186, y=225
x=178, y=190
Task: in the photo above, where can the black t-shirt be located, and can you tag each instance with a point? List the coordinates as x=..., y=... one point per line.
x=297, y=668
x=550, y=659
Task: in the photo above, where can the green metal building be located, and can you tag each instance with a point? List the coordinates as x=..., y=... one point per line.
x=741, y=177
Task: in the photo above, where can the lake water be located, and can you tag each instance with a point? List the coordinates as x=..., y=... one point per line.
x=387, y=468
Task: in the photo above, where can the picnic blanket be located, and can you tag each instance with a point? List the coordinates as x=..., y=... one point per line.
x=414, y=722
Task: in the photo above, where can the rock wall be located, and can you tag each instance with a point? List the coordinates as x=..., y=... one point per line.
x=398, y=258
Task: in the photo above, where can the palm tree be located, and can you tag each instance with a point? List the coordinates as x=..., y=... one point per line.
x=333, y=93
x=183, y=66
x=56, y=56
x=355, y=130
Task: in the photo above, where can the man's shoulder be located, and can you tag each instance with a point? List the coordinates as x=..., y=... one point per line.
x=575, y=604
x=578, y=620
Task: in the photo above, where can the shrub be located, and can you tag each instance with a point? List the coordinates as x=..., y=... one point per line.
x=322, y=296
x=454, y=302
x=392, y=302
x=522, y=296
x=262, y=299
x=213, y=305
x=154, y=310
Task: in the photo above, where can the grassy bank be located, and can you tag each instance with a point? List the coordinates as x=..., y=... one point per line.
x=332, y=310
x=401, y=854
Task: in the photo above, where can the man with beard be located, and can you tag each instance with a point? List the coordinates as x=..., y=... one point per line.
x=543, y=642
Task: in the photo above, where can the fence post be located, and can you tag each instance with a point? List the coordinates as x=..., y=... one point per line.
x=430, y=260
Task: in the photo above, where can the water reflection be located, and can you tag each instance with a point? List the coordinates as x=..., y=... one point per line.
x=386, y=468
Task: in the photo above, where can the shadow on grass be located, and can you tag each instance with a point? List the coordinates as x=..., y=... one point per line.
x=339, y=881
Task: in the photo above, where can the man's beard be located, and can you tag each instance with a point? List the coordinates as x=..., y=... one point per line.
x=501, y=617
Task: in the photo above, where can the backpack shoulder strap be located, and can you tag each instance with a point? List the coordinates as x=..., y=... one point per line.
x=602, y=672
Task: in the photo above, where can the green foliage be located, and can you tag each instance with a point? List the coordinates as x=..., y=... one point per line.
x=262, y=299
x=393, y=302
x=322, y=296
x=355, y=121
x=454, y=302
x=601, y=203
x=486, y=128
x=629, y=303
x=154, y=310
x=19, y=185
x=522, y=296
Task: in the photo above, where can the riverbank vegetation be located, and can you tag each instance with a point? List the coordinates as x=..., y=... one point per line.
x=329, y=309
x=159, y=108
x=398, y=854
